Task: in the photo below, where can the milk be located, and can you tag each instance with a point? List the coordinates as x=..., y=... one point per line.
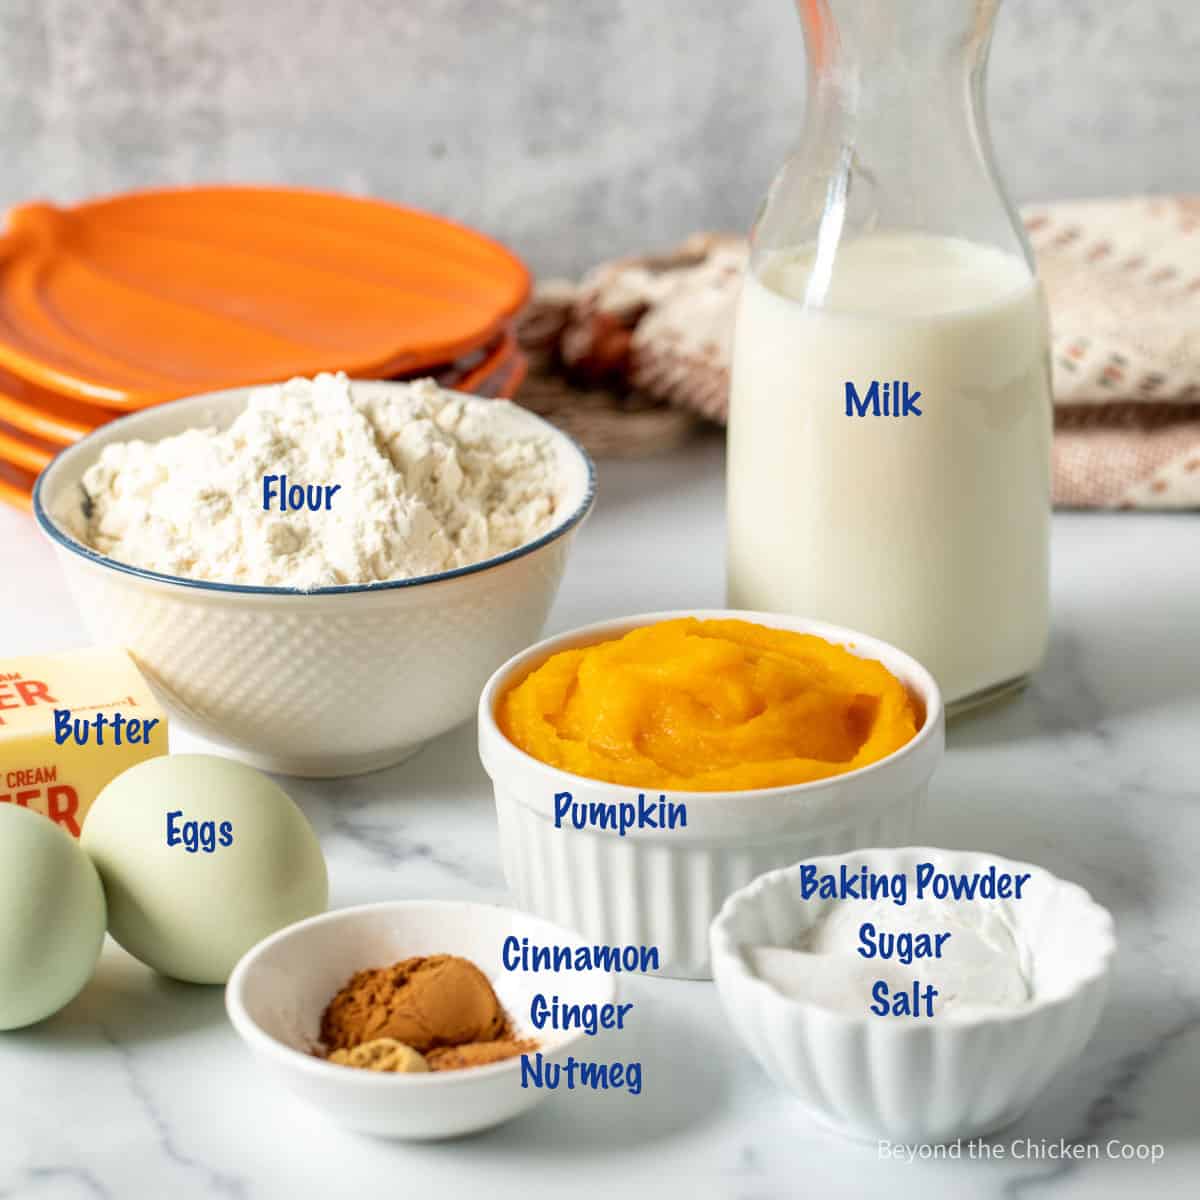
x=928, y=527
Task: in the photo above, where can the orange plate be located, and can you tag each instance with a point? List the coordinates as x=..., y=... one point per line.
x=506, y=387
x=16, y=486
x=148, y=296
x=61, y=421
x=22, y=451
x=36, y=412
x=478, y=373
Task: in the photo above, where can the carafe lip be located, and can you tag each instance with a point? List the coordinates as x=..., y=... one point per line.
x=820, y=19
x=848, y=41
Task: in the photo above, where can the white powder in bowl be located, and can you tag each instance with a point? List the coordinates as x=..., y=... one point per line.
x=428, y=481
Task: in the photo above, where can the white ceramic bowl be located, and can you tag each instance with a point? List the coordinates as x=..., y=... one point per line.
x=335, y=681
x=659, y=888
x=923, y=1080
x=278, y=991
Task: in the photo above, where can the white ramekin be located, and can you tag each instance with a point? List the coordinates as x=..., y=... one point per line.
x=663, y=888
x=336, y=681
x=926, y=1080
x=279, y=990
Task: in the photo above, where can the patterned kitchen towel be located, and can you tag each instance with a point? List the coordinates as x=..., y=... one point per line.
x=1123, y=283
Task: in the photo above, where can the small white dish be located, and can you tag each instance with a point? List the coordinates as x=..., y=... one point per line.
x=336, y=681
x=659, y=888
x=925, y=1080
x=278, y=991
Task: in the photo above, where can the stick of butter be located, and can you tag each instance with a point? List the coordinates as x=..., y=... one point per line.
x=70, y=724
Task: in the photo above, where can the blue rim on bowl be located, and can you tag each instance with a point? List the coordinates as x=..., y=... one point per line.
x=60, y=537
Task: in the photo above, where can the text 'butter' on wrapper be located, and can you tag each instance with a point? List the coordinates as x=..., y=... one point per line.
x=59, y=766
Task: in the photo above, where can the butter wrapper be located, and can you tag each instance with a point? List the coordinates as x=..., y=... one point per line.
x=114, y=723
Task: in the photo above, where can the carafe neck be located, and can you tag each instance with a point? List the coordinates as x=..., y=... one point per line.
x=895, y=134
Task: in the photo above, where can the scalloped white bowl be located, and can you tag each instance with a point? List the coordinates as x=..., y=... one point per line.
x=933, y=1079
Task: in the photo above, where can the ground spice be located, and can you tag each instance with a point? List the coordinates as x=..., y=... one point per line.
x=440, y=1006
x=382, y=1054
x=478, y=1054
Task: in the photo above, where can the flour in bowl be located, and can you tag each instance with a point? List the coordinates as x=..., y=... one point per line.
x=419, y=480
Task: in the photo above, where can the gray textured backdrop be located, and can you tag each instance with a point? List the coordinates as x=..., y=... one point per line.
x=574, y=129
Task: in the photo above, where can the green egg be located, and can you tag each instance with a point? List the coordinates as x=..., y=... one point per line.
x=201, y=857
x=51, y=917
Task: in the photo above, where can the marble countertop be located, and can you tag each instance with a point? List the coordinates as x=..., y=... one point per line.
x=140, y=1088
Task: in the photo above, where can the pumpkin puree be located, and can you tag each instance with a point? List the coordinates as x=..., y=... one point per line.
x=690, y=705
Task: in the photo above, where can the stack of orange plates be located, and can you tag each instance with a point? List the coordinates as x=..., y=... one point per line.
x=121, y=303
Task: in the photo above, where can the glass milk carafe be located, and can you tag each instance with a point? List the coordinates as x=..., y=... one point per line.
x=890, y=414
